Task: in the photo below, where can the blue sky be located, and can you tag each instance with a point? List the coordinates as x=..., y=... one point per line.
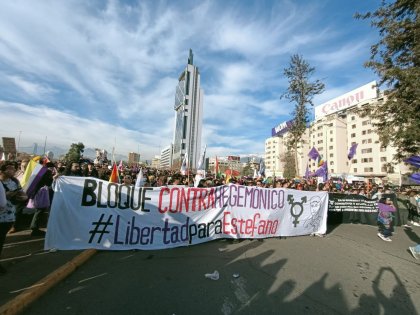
x=104, y=72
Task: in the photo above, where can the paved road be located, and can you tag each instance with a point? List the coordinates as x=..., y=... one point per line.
x=350, y=271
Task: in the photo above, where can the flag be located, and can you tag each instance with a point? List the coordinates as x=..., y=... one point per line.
x=121, y=166
x=307, y=172
x=227, y=178
x=261, y=171
x=313, y=154
x=216, y=168
x=184, y=166
x=322, y=171
x=197, y=180
x=201, y=163
x=352, y=151
x=139, y=179
x=115, y=177
x=415, y=177
x=413, y=160
x=32, y=176
x=320, y=160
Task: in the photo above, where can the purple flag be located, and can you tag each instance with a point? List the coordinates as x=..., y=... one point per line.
x=413, y=160
x=307, y=173
x=352, y=151
x=415, y=177
x=313, y=154
x=322, y=171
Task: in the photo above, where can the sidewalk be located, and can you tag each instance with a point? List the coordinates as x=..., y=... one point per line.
x=26, y=263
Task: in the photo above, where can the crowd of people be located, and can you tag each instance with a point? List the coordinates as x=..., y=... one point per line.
x=13, y=199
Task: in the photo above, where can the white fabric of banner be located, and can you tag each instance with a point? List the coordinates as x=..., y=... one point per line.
x=91, y=213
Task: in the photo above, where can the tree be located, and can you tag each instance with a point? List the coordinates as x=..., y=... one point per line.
x=289, y=165
x=301, y=92
x=75, y=153
x=396, y=60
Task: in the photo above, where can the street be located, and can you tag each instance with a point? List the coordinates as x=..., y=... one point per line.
x=350, y=271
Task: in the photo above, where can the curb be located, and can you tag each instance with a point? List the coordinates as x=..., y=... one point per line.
x=23, y=300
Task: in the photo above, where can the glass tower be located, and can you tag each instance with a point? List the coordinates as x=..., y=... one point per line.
x=188, y=116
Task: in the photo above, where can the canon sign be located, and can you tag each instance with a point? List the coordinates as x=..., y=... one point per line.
x=347, y=100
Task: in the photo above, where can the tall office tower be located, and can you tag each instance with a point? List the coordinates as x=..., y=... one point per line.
x=188, y=117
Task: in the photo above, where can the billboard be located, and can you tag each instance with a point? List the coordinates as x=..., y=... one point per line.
x=281, y=129
x=352, y=98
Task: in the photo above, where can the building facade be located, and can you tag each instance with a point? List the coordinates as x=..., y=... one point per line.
x=276, y=149
x=166, y=158
x=339, y=123
x=133, y=158
x=188, y=116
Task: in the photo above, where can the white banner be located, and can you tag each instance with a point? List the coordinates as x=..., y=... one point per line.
x=92, y=213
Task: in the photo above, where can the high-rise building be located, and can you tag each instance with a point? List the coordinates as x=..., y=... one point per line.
x=188, y=116
x=337, y=126
x=133, y=158
x=166, y=158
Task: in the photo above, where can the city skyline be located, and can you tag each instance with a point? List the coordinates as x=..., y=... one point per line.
x=103, y=73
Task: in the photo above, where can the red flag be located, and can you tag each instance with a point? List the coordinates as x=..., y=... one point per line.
x=115, y=177
x=216, y=168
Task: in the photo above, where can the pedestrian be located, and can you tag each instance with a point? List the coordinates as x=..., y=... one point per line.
x=14, y=195
x=385, y=217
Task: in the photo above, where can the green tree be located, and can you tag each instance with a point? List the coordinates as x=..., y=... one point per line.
x=75, y=153
x=289, y=165
x=396, y=60
x=301, y=92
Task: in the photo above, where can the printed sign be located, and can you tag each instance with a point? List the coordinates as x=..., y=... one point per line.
x=92, y=213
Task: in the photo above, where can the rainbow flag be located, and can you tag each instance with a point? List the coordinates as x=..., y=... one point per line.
x=320, y=161
x=115, y=177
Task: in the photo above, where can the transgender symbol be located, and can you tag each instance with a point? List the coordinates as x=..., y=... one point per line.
x=298, y=212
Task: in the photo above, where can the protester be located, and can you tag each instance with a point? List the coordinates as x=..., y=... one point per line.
x=385, y=217
x=14, y=195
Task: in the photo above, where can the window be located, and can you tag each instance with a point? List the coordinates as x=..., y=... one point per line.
x=331, y=132
x=332, y=170
x=383, y=159
x=366, y=122
x=363, y=132
x=355, y=170
x=369, y=131
x=368, y=169
x=354, y=161
x=353, y=135
x=331, y=162
x=353, y=126
x=320, y=134
x=331, y=140
x=383, y=169
x=369, y=150
x=382, y=149
x=320, y=141
x=330, y=147
x=320, y=148
x=331, y=154
x=353, y=117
